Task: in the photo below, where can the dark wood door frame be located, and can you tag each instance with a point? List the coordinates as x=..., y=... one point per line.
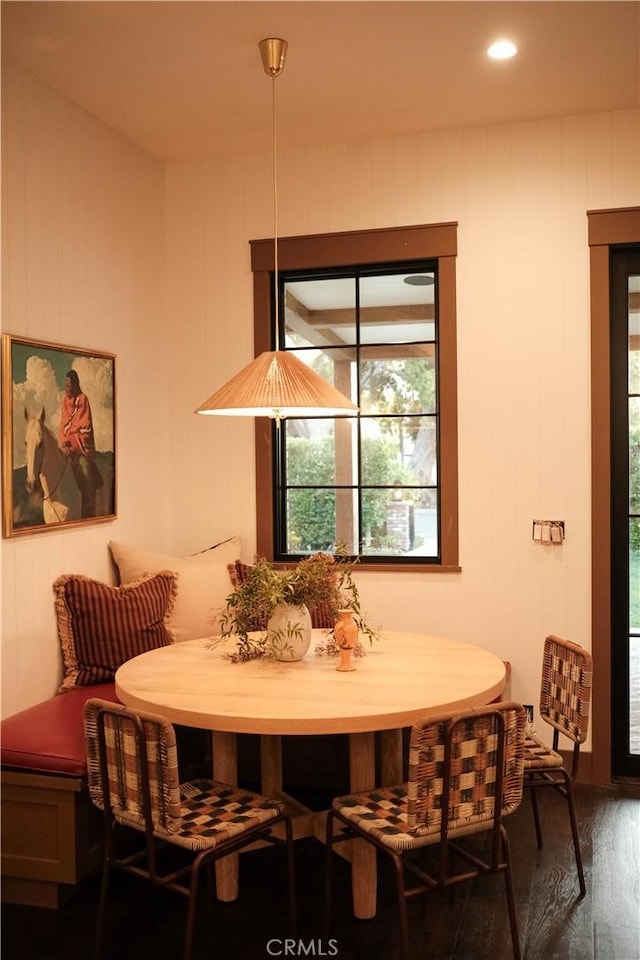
x=607, y=228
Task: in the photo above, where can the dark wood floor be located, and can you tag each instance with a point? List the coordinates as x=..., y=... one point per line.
x=554, y=923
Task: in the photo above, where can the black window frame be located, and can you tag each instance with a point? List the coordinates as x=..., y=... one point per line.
x=281, y=485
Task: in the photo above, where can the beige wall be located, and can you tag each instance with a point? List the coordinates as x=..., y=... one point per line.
x=519, y=193
x=82, y=265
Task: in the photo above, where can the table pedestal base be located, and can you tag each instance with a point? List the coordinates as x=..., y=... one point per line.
x=225, y=768
x=308, y=823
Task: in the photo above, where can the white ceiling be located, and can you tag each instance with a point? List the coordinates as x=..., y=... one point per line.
x=184, y=79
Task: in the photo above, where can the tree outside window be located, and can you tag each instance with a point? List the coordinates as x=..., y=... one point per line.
x=370, y=483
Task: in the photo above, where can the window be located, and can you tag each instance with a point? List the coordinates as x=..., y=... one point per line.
x=374, y=313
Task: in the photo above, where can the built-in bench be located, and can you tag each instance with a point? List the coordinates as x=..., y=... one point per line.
x=51, y=832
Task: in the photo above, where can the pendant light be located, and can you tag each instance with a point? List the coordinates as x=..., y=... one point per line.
x=276, y=384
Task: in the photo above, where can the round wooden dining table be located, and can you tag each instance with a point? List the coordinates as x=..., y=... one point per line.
x=403, y=677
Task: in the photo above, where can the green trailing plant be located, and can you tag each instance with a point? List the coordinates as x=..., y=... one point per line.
x=322, y=580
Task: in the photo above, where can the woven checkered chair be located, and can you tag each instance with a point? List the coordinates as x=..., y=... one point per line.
x=565, y=694
x=465, y=775
x=133, y=778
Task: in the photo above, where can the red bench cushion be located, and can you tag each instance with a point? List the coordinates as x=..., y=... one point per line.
x=49, y=736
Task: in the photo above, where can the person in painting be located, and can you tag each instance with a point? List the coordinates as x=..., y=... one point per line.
x=77, y=442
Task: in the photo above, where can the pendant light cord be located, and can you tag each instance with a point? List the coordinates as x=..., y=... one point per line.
x=275, y=214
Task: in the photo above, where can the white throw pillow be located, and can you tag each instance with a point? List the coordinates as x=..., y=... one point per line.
x=202, y=588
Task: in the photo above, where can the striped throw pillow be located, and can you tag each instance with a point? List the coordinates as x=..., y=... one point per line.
x=100, y=626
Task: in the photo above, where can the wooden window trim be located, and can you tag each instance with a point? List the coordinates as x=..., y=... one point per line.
x=427, y=242
x=607, y=228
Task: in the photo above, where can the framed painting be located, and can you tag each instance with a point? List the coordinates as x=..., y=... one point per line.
x=58, y=436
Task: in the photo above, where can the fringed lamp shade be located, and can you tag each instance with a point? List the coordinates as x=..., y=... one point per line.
x=277, y=384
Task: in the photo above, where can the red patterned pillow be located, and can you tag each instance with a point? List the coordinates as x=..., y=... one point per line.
x=322, y=616
x=238, y=572
x=100, y=627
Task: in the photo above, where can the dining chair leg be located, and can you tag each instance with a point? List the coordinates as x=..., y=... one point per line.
x=566, y=790
x=291, y=874
x=424, y=867
x=511, y=904
x=402, y=907
x=536, y=813
x=102, y=906
x=191, y=910
x=328, y=876
x=574, y=831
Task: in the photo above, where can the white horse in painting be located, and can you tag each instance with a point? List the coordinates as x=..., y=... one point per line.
x=49, y=472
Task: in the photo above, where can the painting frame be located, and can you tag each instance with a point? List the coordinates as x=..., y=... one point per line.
x=58, y=441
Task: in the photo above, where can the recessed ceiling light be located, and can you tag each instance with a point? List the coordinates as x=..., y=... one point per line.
x=502, y=50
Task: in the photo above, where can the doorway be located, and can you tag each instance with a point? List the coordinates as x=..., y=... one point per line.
x=609, y=232
x=625, y=510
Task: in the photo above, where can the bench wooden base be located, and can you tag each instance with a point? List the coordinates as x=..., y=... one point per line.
x=51, y=837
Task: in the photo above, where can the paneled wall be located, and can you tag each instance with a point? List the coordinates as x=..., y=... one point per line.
x=85, y=218
x=83, y=264
x=520, y=195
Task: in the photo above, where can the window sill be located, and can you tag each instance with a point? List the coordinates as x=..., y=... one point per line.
x=364, y=567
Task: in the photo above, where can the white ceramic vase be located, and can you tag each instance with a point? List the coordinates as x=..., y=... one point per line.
x=289, y=631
